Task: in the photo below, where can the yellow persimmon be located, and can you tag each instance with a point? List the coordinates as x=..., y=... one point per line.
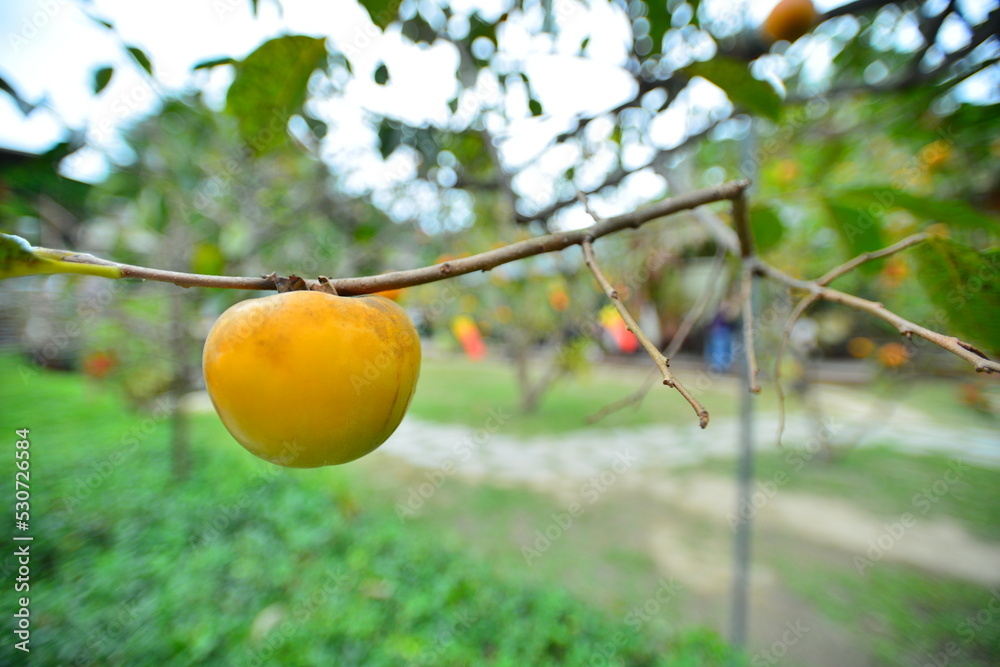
x=307, y=379
x=789, y=20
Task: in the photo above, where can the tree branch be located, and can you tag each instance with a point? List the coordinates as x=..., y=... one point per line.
x=836, y=272
x=676, y=342
x=428, y=274
x=661, y=362
x=961, y=349
x=619, y=176
x=800, y=308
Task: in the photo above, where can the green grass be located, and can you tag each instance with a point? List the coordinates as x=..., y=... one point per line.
x=457, y=391
x=247, y=563
x=902, y=616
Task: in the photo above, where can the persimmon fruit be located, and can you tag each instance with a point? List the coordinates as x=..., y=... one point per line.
x=789, y=20
x=306, y=379
x=893, y=355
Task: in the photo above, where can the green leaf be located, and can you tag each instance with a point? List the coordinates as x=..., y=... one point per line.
x=766, y=226
x=207, y=259
x=658, y=16
x=102, y=78
x=951, y=211
x=383, y=12
x=733, y=77
x=860, y=229
x=19, y=258
x=381, y=74
x=418, y=30
x=963, y=282
x=535, y=107
x=141, y=58
x=270, y=86
x=215, y=62
x=389, y=137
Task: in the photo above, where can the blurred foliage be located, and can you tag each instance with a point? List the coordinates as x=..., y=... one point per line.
x=963, y=283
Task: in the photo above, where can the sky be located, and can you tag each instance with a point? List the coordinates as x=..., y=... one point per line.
x=51, y=49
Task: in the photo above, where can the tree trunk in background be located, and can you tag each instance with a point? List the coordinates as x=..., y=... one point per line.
x=180, y=439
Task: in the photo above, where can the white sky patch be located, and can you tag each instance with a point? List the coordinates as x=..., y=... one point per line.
x=567, y=85
x=421, y=80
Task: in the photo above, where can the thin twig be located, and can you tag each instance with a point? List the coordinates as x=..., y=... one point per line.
x=800, y=308
x=741, y=219
x=428, y=274
x=686, y=325
x=621, y=174
x=835, y=273
x=661, y=362
x=959, y=348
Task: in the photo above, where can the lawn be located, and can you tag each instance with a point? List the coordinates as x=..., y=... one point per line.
x=247, y=563
x=456, y=391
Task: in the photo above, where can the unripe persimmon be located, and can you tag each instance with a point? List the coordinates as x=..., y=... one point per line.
x=789, y=20
x=307, y=379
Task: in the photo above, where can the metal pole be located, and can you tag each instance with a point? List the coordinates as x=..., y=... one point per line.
x=741, y=546
x=744, y=471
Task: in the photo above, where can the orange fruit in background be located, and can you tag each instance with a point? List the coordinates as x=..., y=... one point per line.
x=307, y=379
x=391, y=294
x=789, y=20
x=99, y=364
x=936, y=153
x=893, y=355
x=895, y=271
x=860, y=347
x=558, y=299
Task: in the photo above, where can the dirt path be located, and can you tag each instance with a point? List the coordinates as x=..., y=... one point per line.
x=701, y=560
x=558, y=464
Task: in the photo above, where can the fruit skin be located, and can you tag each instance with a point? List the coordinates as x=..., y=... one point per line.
x=789, y=20
x=307, y=379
